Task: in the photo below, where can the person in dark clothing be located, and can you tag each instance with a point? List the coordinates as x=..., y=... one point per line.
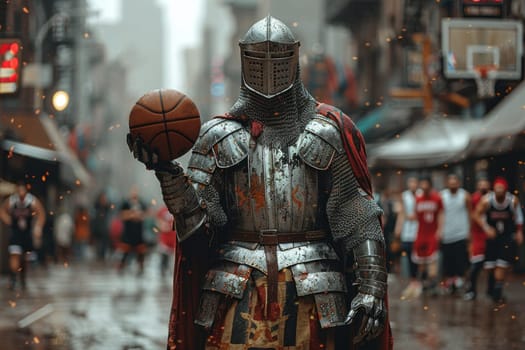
x=25, y=216
x=82, y=232
x=390, y=212
x=132, y=213
x=499, y=214
x=100, y=226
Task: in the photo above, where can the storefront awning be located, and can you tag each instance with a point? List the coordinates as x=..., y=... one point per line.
x=386, y=121
x=430, y=143
x=503, y=129
x=38, y=137
x=438, y=141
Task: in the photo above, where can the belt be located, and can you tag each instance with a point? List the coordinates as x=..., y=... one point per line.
x=274, y=237
x=270, y=239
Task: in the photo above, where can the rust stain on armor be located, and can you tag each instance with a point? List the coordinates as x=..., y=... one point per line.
x=296, y=200
x=257, y=192
x=241, y=196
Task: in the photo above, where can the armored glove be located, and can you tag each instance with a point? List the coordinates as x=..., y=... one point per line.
x=142, y=152
x=372, y=282
x=178, y=194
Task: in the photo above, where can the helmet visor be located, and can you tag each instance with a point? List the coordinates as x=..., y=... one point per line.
x=269, y=68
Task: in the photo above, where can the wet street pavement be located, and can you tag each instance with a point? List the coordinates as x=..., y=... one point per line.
x=93, y=307
x=86, y=307
x=449, y=322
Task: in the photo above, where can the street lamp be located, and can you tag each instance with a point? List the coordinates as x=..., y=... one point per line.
x=60, y=100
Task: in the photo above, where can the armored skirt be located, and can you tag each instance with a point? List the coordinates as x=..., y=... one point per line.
x=292, y=324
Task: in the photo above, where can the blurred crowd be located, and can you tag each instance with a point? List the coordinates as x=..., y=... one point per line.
x=443, y=240
x=111, y=233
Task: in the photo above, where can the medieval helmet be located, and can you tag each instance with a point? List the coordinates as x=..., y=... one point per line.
x=270, y=57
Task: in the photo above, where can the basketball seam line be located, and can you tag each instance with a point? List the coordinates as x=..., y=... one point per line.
x=181, y=134
x=162, y=105
x=173, y=131
x=165, y=122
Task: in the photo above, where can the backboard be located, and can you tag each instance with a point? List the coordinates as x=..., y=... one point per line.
x=471, y=43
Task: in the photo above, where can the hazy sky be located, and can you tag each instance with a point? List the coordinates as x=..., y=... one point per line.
x=182, y=16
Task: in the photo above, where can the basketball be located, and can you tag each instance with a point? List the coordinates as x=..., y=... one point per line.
x=167, y=121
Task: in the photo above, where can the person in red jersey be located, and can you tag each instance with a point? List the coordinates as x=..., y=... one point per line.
x=478, y=240
x=429, y=212
x=167, y=238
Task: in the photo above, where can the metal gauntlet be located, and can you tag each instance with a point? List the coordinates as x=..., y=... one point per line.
x=182, y=201
x=371, y=270
x=371, y=278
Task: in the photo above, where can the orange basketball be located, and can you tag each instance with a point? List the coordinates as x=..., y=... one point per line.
x=166, y=120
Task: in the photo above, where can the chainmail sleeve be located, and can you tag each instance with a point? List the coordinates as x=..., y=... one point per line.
x=210, y=196
x=353, y=218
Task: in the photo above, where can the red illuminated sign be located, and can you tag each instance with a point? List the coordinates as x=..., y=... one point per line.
x=10, y=61
x=483, y=8
x=483, y=2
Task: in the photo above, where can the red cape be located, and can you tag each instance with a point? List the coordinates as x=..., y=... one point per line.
x=191, y=264
x=190, y=268
x=354, y=144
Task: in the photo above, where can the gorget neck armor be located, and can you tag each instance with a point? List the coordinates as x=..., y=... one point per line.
x=283, y=117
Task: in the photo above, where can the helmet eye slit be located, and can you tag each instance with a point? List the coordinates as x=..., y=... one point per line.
x=255, y=54
x=282, y=54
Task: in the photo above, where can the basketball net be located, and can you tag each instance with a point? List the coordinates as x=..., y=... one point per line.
x=485, y=77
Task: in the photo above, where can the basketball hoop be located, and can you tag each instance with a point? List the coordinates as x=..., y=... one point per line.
x=485, y=77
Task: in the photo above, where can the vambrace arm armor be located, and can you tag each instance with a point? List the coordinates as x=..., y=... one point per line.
x=372, y=285
x=370, y=268
x=182, y=201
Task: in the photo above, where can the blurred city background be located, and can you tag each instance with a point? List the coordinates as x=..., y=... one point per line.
x=435, y=86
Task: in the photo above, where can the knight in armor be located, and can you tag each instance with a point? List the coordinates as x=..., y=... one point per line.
x=25, y=216
x=279, y=239
x=499, y=215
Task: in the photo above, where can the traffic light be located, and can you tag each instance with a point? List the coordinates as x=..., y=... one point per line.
x=10, y=62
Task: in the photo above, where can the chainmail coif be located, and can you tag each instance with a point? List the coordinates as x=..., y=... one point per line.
x=284, y=116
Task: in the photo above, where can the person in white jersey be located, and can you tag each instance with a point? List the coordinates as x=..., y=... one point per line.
x=458, y=207
x=406, y=230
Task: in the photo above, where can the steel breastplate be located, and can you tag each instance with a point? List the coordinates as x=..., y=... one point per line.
x=274, y=189
x=264, y=187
